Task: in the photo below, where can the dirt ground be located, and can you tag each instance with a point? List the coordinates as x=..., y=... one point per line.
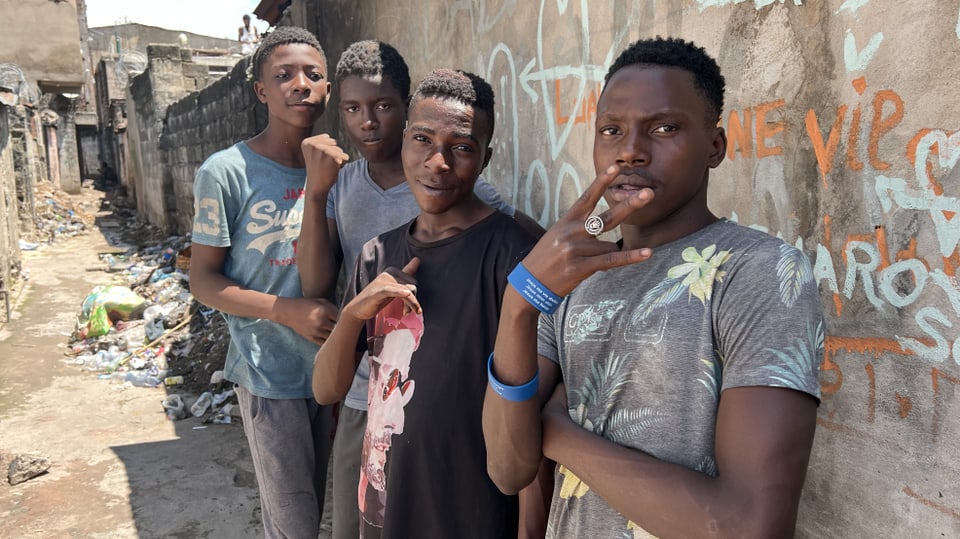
x=118, y=466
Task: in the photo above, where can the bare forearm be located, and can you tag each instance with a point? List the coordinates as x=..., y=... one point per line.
x=512, y=429
x=217, y=291
x=667, y=500
x=336, y=362
x=534, y=501
x=317, y=262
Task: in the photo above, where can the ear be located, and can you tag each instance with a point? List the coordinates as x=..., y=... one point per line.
x=326, y=99
x=718, y=148
x=486, y=158
x=259, y=90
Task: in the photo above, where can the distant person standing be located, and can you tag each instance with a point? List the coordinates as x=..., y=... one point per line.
x=248, y=36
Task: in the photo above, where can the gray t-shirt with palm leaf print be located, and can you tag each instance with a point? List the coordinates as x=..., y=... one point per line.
x=646, y=350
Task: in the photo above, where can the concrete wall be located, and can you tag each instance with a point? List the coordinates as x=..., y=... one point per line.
x=205, y=121
x=843, y=123
x=152, y=92
x=178, y=117
x=43, y=38
x=108, y=93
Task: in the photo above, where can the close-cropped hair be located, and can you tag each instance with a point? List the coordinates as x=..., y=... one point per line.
x=676, y=52
x=285, y=35
x=461, y=86
x=371, y=58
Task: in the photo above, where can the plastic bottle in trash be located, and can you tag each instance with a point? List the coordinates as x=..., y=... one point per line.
x=141, y=379
x=105, y=360
x=204, y=402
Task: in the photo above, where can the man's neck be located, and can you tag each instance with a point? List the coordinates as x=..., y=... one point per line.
x=280, y=145
x=636, y=237
x=429, y=228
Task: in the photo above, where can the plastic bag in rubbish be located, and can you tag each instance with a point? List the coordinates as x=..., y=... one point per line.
x=173, y=407
x=120, y=302
x=223, y=416
x=220, y=398
x=153, y=315
x=96, y=324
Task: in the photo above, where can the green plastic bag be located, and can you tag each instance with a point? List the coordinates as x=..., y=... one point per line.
x=98, y=324
x=119, y=303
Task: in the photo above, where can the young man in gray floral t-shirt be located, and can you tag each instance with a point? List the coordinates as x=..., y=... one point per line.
x=676, y=384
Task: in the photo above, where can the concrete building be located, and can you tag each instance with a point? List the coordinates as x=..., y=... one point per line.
x=55, y=65
x=128, y=37
x=179, y=112
x=121, y=53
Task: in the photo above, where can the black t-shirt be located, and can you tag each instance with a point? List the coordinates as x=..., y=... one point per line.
x=434, y=476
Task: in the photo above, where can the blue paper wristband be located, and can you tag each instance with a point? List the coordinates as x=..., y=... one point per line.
x=533, y=290
x=512, y=393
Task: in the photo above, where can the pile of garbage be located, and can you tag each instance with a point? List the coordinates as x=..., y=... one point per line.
x=56, y=216
x=145, y=329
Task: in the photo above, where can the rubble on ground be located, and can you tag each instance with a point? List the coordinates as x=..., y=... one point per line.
x=25, y=467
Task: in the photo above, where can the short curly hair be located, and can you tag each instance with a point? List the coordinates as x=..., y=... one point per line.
x=370, y=58
x=461, y=86
x=675, y=52
x=285, y=35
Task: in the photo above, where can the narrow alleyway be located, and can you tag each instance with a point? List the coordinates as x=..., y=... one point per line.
x=119, y=468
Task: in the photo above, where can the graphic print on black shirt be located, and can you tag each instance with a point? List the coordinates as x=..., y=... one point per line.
x=395, y=337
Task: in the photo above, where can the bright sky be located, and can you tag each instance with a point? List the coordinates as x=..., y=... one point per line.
x=215, y=18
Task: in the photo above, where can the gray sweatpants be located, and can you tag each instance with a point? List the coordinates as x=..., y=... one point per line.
x=347, y=448
x=290, y=442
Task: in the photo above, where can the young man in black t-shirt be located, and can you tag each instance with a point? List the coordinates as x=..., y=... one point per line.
x=424, y=463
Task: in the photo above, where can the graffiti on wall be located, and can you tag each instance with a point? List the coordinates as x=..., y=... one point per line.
x=908, y=368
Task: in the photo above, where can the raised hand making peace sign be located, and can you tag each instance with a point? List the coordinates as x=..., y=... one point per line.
x=568, y=253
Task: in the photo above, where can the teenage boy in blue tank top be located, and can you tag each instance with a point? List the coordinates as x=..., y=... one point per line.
x=676, y=384
x=347, y=204
x=423, y=470
x=248, y=201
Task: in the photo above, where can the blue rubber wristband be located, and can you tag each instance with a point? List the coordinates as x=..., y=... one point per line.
x=533, y=290
x=512, y=393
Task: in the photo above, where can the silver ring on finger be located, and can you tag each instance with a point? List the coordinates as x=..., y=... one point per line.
x=593, y=225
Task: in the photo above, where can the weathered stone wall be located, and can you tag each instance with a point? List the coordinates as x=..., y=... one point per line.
x=844, y=138
x=9, y=226
x=68, y=164
x=29, y=161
